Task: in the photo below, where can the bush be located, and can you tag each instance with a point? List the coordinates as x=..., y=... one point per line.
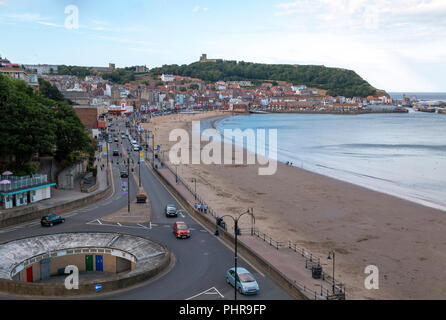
x=94, y=170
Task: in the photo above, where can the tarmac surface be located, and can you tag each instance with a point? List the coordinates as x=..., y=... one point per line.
x=201, y=262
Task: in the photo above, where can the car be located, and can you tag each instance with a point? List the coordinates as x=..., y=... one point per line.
x=124, y=174
x=181, y=230
x=246, y=283
x=123, y=136
x=135, y=147
x=116, y=140
x=115, y=153
x=51, y=219
x=171, y=210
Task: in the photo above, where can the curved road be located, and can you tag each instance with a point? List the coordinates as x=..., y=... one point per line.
x=201, y=261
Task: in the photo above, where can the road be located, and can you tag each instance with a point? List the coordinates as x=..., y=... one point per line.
x=201, y=261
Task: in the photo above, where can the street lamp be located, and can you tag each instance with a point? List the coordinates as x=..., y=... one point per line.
x=128, y=183
x=236, y=232
x=331, y=256
x=195, y=193
x=139, y=169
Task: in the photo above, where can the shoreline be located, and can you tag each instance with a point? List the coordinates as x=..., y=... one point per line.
x=404, y=239
x=419, y=201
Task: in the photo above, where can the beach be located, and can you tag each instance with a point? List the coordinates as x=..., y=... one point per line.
x=405, y=240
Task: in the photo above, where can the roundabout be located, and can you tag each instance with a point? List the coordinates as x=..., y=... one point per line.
x=30, y=265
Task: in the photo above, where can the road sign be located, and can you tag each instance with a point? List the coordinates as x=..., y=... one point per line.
x=141, y=156
x=98, y=287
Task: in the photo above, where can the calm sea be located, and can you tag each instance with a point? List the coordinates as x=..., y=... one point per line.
x=399, y=154
x=428, y=96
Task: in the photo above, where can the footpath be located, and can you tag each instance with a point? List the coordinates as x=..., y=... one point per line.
x=61, y=200
x=293, y=264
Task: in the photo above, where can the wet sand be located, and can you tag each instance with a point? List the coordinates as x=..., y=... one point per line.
x=406, y=241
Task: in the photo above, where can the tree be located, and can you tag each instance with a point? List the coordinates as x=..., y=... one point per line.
x=27, y=126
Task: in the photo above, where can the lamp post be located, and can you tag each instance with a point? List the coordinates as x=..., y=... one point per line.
x=236, y=231
x=331, y=256
x=195, y=193
x=128, y=183
x=139, y=169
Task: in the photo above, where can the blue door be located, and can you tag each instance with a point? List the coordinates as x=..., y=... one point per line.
x=99, y=265
x=45, y=269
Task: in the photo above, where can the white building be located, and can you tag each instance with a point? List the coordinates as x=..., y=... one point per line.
x=167, y=78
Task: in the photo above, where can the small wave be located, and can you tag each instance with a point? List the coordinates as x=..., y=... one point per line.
x=388, y=146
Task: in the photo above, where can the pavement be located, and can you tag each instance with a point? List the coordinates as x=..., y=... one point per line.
x=295, y=266
x=200, y=262
x=59, y=197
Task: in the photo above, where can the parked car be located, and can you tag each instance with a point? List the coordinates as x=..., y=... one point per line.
x=51, y=220
x=171, y=210
x=246, y=283
x=181, y=230
x=115, y=153
x=124, y=174
x=116, y=140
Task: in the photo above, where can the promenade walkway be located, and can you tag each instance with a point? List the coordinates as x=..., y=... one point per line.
x=60, y=197
x=292, y=262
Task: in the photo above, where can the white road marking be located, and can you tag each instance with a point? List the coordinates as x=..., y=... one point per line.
x=99, y=221
x=207, y=292
x=119, y=224
x=142, y=226
x=196, y=220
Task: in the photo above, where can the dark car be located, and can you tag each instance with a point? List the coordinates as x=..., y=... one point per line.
x=124, y=174
x=116, y=153
x=51, y=219
x=171, y=210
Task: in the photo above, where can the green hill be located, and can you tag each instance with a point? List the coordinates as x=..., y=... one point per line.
x=335, y=80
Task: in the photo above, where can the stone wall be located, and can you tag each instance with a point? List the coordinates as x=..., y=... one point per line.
x=66, y=177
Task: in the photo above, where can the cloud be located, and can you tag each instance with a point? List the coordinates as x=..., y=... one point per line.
x=365, y=14
x=3, y=3
x=198, y=9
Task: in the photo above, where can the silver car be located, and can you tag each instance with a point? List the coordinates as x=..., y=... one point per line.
x=171, y=210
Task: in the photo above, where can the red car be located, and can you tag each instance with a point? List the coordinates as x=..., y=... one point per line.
x=181, y=230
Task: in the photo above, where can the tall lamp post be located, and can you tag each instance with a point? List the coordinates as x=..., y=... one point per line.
x=331, y=256
x=128, y=183
x=139, y=169
x=236, y=232
x=195, y=193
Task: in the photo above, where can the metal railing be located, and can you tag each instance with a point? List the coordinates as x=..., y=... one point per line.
x=17, y=183
x=310, y=259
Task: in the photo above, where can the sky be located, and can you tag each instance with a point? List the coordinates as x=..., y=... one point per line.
x=396, y=45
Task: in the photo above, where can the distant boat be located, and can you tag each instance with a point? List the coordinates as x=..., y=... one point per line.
x=443, y=111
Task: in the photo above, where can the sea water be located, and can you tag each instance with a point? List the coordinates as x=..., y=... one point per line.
x=400, y=154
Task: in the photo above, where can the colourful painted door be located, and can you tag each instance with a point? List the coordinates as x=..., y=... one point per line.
x=89, y=263
x=45, y=269
x=29, y=274
x=99, y=263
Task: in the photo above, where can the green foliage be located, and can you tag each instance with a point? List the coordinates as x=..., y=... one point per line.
x=336, y=81
x=121, y=76
x=33, y=123
x=194, y=86
x=80, y=72
x=27, y=126
x=94, y=170
x=49, y=91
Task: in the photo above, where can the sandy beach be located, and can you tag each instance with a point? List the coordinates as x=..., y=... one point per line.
x=406, y=241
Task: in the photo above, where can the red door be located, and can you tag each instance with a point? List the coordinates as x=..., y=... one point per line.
x=29, y=274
